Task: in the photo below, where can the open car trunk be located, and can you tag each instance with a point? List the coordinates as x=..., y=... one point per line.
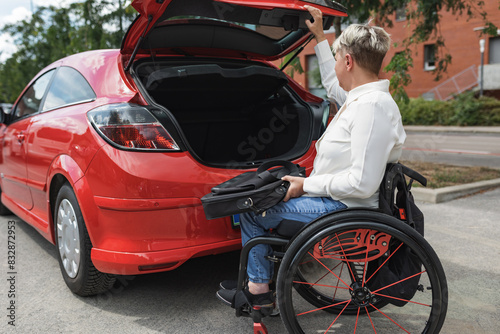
x=232, y=113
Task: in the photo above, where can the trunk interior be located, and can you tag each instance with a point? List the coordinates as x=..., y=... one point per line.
x=231, y=113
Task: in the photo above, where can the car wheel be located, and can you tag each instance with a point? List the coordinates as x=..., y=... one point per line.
x=74, y=246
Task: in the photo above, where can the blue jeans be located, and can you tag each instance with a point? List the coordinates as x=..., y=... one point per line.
x=304, y=209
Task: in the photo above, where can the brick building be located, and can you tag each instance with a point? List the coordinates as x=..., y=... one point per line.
x=462, y=42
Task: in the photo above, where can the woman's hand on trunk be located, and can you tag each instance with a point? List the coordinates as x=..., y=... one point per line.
x=316, y=27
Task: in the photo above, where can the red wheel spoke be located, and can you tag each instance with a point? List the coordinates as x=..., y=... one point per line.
x=404, y=279
x=371, y=321
x=325, y=307
x=319, y=279
x=385, y=315
x=336, y=318
x=364, y=269
x=343, y=252
x=324, y=285
x=384, y=262
x=330, y=271
x=357, y=318
x=305, y=262
x=408, y=301
x=340, y=274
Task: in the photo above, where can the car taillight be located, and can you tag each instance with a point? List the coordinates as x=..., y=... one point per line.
x=131, y=126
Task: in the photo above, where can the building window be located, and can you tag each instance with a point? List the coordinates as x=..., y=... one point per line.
x=494, y=50
x=429, y=57
x=401, y=13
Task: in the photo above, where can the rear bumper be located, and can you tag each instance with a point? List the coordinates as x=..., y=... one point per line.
x=138, y=236
x=123, y=263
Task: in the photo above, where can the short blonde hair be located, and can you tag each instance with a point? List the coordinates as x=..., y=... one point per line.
x=366, y=44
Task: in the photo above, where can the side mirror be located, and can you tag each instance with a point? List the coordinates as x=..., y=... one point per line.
x=2, y=116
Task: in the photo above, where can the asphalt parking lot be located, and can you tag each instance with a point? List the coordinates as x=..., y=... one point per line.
x=463, y=232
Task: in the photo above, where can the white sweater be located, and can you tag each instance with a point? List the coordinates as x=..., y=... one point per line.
x=364, y=136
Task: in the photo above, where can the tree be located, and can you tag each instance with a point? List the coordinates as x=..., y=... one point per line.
x=424, y=16
x=294, y=65
x=41, y=39
x=53, y=33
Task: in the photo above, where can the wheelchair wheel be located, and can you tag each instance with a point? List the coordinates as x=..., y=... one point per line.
x=335, y=265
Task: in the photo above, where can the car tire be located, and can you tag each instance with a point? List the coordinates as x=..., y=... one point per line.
x=3, y=209
x=74, y=246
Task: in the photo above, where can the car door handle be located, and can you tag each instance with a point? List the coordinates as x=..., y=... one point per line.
x=20, y=137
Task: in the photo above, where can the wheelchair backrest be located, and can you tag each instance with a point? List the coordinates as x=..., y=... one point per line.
x=395, y=197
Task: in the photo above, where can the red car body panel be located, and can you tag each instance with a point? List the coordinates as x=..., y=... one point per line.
x=287, y=4
x=14, y=174
x=141, y=216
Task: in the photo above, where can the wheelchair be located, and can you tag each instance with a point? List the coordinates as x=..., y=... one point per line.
x=325, y=274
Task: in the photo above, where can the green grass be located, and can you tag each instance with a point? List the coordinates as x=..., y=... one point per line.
x=441, y=175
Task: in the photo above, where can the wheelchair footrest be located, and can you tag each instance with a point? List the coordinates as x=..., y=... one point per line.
x=259, y=328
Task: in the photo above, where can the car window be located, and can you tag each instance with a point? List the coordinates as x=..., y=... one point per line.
x=68, y=87
x=6, y=107
x=30, y=101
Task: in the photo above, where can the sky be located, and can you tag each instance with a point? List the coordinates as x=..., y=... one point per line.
x=12, y=11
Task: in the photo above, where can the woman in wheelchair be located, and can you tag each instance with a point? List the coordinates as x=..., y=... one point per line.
x=352, y=154
x=364, y=136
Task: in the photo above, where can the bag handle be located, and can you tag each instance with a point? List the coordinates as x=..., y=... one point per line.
x=393, y=169
x=414, y=175
x=264, y=173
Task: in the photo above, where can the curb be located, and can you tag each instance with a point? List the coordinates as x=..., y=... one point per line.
x=449, y=193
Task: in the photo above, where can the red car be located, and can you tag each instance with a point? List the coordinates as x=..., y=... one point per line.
x=107, y=153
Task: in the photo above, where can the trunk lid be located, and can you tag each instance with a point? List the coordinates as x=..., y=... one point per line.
x=255, y=29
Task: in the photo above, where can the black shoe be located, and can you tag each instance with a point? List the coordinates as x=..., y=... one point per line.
x=233, y=285
x=228, y=284
x=227, y=296
x=265, y=302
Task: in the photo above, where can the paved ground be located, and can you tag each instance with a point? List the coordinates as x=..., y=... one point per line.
x=469, y=146
x=464, y=233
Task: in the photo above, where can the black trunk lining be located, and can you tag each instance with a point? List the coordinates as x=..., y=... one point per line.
x=229, y=114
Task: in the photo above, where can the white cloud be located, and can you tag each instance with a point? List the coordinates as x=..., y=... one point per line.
x=7, y=46
x=18, y=10
x=17, y=14
x=23, y=12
